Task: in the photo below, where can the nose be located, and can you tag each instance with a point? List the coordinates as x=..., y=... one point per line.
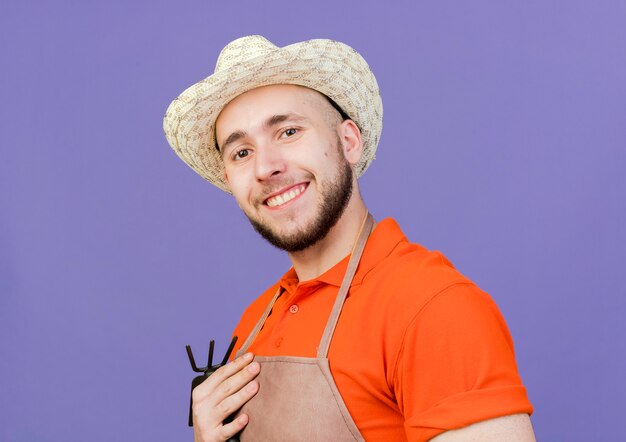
x=269, y=161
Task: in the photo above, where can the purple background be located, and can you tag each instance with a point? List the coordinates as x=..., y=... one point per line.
x=503, y=146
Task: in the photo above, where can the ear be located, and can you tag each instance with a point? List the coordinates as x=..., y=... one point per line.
x=225, y=174
x=228, y=185
x=352, y=144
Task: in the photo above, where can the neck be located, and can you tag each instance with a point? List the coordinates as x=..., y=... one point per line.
x=336, y=245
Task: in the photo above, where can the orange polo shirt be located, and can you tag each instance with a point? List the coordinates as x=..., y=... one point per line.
x=418, y=349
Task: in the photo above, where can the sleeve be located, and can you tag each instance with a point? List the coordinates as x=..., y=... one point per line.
x=456, y=365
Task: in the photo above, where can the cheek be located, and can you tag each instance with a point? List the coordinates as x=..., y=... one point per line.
x=240, y=188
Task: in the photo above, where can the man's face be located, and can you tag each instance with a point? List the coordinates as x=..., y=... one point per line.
x=284, y=163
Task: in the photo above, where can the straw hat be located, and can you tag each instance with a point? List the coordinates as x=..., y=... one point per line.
x=330, y=67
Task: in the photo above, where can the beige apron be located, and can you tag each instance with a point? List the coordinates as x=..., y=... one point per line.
x=297, y=398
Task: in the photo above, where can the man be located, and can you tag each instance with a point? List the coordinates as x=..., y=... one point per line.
x=367, y=336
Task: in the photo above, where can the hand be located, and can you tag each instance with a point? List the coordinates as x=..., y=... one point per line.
x=220, y=395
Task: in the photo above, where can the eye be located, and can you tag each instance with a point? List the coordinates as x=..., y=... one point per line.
x=289, y=132
x=241, y=154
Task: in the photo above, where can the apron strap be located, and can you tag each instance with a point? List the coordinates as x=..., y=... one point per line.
x=322, y=350
x=257, y=327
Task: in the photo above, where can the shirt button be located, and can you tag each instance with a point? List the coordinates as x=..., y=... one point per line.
x=278, y=342
x=293, y=308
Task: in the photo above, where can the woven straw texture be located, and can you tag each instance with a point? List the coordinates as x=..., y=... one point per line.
x=330, y=67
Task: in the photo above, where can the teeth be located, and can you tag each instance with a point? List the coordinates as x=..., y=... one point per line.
x=285, y=197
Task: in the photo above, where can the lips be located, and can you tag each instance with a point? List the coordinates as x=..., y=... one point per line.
x=285, y=196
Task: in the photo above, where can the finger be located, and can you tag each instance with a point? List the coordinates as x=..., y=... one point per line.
x=234, y=383
x=235, y=401
x=233, y=367
x=223, y=373
x=207, y=416
x=231, y=394
x=214, y=395
x=229, y=430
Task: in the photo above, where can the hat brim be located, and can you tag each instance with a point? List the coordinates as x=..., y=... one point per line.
x=327, y=66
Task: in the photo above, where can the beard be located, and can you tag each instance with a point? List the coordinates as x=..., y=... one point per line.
x=335, y=196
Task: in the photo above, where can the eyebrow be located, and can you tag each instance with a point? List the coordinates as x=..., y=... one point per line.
x=237, y=135
x=269, y=123
x=277, y=119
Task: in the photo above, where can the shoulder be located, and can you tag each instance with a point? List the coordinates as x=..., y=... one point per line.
x=416, y=299
x=410, y=277
x=451, y=345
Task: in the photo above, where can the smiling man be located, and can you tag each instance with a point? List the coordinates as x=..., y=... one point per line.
x=293, y=197
x=367, y=336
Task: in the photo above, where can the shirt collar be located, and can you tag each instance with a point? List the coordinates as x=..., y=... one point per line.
x=381, y=242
